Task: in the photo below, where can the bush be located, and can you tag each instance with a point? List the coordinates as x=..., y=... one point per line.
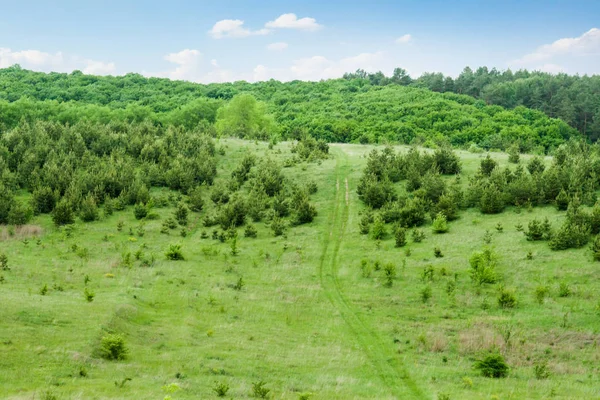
x=537, y=230
x=400, y=236
x=506, y=299
x=278, y=226
x=440, y=224
x=43, y=200
x=418, y=235
x=378, y=230
x=492, y=366
x=390, y=274
x=437, y=252
x=541, y=371
x=259, y=390
x=112, y=347
x=19, y=214
x=181, y=214
x=570, y=236
x=487, y=165
x=562, y=200
x=595, y=247
x=483, y=267
x=195, y=199
x=304, y=213
x=174, y=253
x=63, y=213
x=491, y=201
x=140, y=211
x=250, y=231
x=426, y=294
x=220, y=389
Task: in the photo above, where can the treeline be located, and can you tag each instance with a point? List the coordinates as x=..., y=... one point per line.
x=342, y=110
x=572, y=98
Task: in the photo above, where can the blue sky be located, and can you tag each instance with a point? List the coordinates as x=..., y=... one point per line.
x=208, y=42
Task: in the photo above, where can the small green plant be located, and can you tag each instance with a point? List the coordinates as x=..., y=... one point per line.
x=506, y=298
x=174, y=253
x=541, y=370
x=426, y=294
x=141, y=230
x=427, y=273
x=239, y=285
x=492, y=366
x=365, y=268
x=120, y=225
x=250, y=231
x=390, y=274
x=499, y=227
x=44, y=290
x=529, y=255
x=443, y=396
x=140, y=211
x=487, y=237
x=259, y=390
x=400, y=236
x=220, y=389
x=418, y=235
x=4, y=262
x=440, y=224
x=234, y=247
x=112, y=347
x=540, y=294
x=88, y=295
x=564, y=290
x=519, y=227
x=437, y=252
x=278, y=226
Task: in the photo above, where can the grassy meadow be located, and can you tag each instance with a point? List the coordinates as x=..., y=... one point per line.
x=296, y=312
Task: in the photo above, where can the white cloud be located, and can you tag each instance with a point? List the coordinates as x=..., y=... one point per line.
x=404, y=39
x=233, y=28
x=278, y=46
x=291, y=21
x=187, y=61
x=586, y=44
x=57, y=62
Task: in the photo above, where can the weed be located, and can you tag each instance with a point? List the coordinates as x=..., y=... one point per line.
x=174, y=253
x=492, y=366
x=220, y=389
x=112, y=347
x=259, y=390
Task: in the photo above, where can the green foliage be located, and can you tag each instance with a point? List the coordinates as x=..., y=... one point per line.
x=537, y=230
x=63, y=214
x=181, y=214
x=19, y=214
x=536, y=166
x=400, y=236
x=390, y=274
x=562, y=200
x=506, y=298
x=89, y=210
x=540, y=293
x=487, y=165
x=492, y=365
x=378, y=230
x=483, y=267
x=43, y=200
x=4, y=262
x=88, y=295
x=259, y=390
x=174, y=253
x=514, y=153
x=220, y=389
x=195, y=200
x=244, y=117
x=426, y=293
x=278, y=226
x=492, y=201
x=564, y=290
x=541, y=370
x=570, y=235
x=440, y=224
x=250, y=231
x=418, y=235
x=140, y=211
x=112, y=347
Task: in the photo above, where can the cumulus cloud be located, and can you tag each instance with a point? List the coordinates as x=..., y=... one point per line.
x=586, y=44
x=278, y=46
x=404, y=39
x=233, y=28
x=291, y=21
x=54, y=62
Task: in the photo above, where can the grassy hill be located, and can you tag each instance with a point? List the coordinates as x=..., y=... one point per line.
x=301, y=312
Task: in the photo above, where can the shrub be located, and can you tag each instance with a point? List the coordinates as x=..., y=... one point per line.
x=181, y=214
x=63, y=214
x=513, y=153
x=19, y=214
x=440, y=224
x=278, y=226
x=426, y=294
x=88, y=295
x=259, y=390
x=89, y=210
x=174, y=253
x=304, y=212
x=491, y=201
x=140, y=211
x=250, y=231
x=390, y=274
x=400, y=236
x=418, y=235
x=570, y=235
x=437, y=252
x=4, y=262
x=537, y=230
x=220, y=389
x=541, y=371
x=483, y=267
x=595, y=247
x=564, y=290
x=365, y=224
x=219, y=194
x=506, y=299
x=562, y=200
x=492, y=366
x=378, y=230
x=540, y=293
x=112, y=347
x=195, y=199
x=43, y=200
x=487, y=165
x=536, y=166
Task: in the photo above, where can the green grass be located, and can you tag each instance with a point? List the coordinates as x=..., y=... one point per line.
x=306, y=321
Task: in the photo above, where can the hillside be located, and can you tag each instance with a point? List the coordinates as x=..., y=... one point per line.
x=141, y=301
x=340, y=110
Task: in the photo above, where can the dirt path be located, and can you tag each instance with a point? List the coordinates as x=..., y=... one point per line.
x=386, y=363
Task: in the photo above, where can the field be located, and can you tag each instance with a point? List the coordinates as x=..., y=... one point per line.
x=295, y=311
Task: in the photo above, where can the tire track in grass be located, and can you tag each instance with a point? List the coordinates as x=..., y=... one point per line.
x=387, y=364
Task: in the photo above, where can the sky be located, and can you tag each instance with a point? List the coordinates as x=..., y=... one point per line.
x=229, y=40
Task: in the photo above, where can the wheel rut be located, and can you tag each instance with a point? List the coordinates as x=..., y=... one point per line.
x=386, y=363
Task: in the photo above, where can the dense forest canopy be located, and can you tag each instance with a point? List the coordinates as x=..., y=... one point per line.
x=366, y=108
